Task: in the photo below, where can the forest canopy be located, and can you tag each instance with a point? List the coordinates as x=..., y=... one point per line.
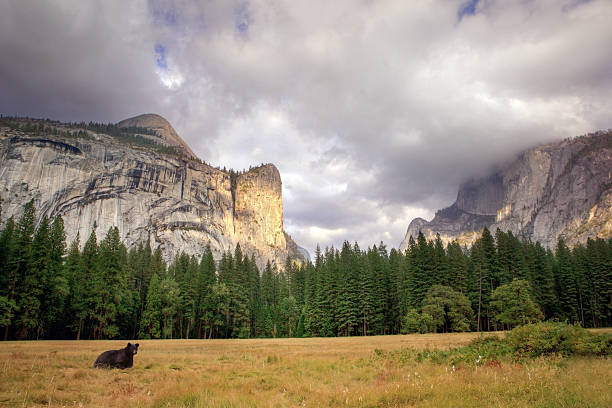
x=103, y=290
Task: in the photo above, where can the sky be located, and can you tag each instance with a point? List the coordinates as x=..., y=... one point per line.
x=373, y=111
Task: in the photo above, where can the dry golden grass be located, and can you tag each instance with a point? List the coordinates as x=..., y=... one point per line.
x=337, y=372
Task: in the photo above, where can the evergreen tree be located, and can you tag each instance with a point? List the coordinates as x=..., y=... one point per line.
x=26, y=290
x=240, y=295
x=254, y=289
x=423, y=264
x=170, y=297
x=486, y=273
x=77, y=281
x=458, y=267
x=56, y=288
x=206, y=279
x=150, y=325
x=348, y=292
x=598, y=281
x=35, y=281
x=8, y=277
x=109, y=286
x=441, y=263
x=542, y=279
x=567, y=291
x=399, y=291
x=368, y=301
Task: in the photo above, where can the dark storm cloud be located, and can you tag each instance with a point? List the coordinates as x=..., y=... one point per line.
x=374, y=112
x=76, y=60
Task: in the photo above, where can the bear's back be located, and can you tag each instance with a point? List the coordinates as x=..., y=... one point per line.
x=114, y=359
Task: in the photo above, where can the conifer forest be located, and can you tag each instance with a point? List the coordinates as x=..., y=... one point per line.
x=50, y=289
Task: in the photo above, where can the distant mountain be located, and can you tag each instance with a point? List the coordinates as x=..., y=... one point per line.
x=550, y=191
x=140, y=176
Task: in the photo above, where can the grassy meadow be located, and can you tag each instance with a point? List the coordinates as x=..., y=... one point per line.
x=319, y=372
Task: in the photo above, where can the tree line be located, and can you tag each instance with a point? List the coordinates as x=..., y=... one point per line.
x=102, y=290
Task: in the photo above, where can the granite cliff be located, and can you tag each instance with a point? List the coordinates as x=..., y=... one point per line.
x=140, y=176
x=556, y=190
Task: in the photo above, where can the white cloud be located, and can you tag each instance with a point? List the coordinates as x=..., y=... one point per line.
x=373, y=112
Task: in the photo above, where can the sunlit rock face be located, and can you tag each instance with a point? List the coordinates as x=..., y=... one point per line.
x=550, y=191
x=177, y=203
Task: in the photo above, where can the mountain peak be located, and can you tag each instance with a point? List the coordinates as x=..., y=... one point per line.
x=167, y=134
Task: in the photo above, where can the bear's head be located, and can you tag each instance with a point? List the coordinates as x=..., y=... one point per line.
x=132, y=348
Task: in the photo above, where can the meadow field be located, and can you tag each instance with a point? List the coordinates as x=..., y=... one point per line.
x=318, y=372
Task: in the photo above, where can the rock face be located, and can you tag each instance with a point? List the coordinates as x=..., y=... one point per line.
x=166, y=134
x=551, y=191
x=178, y=204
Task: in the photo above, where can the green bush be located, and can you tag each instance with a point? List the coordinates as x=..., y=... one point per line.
x=529, y=341
x=557, y=338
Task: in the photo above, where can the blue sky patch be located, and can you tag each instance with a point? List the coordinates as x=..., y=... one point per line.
x=160, y=57
x=467, y=9
x=242, y=18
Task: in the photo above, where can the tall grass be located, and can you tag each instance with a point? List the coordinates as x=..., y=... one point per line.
x=336, y=372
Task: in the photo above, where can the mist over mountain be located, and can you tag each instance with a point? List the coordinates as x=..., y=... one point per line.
x=552, y=191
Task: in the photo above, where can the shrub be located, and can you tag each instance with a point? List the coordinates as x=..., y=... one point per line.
x=411, y=322
x=415, y=322
x=529, y=341
x=513, y=304
x=557, y=338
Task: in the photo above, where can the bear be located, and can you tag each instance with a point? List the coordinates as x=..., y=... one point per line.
x=123, y=358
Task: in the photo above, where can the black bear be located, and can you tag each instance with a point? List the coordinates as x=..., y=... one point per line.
x=123, y=358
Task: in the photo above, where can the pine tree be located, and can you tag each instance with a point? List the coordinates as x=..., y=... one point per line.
x=348, y=294
x=599, y=280
x=78, y=297
x=441, y=263
x=240, y=295
x=399, y=296
x=567, y=291
x=150, y=324
x=422, y=261
x=170, y=299
x=109, y=286
x=8, y=278
x=56, y=288
x=485, y=269
x=206, y=279
x=36, y=280
x=542, y=279
x=255, y=309
x=368, y=299
x=458, y=267
x=27, y=290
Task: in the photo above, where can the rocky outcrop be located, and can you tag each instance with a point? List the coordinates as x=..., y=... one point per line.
x=176, y=203
x=166, y=134
x=295, y=251
x=557, y=190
